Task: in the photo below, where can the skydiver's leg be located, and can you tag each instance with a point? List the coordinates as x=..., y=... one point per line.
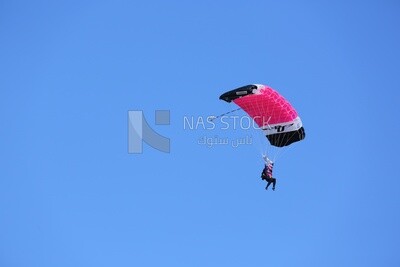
x=269, y=182
x=266, y=188
x=273, y=183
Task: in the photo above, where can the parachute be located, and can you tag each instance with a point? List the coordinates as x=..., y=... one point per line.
x=273, y=114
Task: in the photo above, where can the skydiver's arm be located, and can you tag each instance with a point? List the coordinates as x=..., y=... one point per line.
x=267, y=160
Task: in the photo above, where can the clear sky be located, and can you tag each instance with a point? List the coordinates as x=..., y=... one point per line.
x=71, y=195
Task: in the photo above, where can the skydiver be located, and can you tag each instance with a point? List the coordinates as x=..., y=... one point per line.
x=267, y=173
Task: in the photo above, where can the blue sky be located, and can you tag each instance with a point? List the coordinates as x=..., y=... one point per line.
x=71, y=195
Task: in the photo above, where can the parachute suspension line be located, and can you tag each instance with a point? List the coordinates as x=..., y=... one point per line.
x=212, y=118
x=260, y=145
x=263, y=145
x=271, y=151
x=283, y=148
x=261, y=142
x=283, y=144
x=279, y=151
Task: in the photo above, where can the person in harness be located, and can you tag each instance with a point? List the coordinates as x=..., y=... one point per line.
x=266, y=173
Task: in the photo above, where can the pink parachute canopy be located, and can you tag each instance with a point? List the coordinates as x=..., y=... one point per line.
x=271, y=111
